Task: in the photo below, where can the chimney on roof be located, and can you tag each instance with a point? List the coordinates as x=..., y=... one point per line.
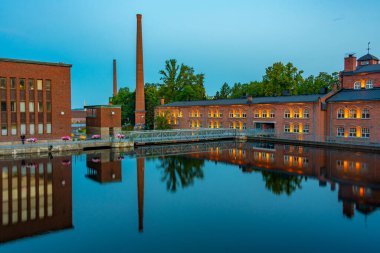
x=350, y=63
x=162, y=102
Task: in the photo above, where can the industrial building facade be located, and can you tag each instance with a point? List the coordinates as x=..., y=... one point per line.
x=35, y=99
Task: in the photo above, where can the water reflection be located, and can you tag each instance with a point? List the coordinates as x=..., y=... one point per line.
x=104, y=166
x=36, y=196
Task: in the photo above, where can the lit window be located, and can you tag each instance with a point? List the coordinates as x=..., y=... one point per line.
x=352, y=132
x=31, y=106
x=352, y=114
x=365, y=132
x=3, y=83
x=306, y=129
x=39, y=84
x=22, y=84
x=296, y=113
x=365, y=113
x=369, y=84
x=256, y=114
x=306, y=113
x=287, y=114
x=296, y=128
x=31, y=84
x=340, y=114
x=340, y=132
x=272, y=114
x=357, y=85
x=47, y=84
x=287, y=128
x=264, y=114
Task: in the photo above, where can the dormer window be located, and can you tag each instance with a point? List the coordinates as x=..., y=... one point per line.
x=364, y=62
x=369, y=84
x=357, y=85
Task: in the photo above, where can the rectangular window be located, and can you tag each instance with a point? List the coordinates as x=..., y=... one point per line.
x=365, y=132
x=306, y=129
x=48, y=128
x=244, y=115
x=13, y=82
x=231, y=114
x=22, y=129
x=13, y=129
x=40, y=107
x=39, y=84
x=352, y=132
x=256, y=114
x=272, y=115
x=296, y=114
x=296, y=128
x=48, y=106
x=13, y=107
x=264, y=114
x=244, y=125
x=31, y=84
x=3, y=106
x=22, y=84
x=3, y=83
x=40, y=128
x=47, y=84
x=31, y=129
x=31, y=106
x=340, y=132
x=287, y=114
x=220, y=115
x=4, y=130
x=287, y=128
x=22, y=106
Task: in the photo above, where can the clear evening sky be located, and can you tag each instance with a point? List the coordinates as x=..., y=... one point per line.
x=229, y=41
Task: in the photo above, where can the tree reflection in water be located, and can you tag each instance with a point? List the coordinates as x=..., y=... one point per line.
x=279, y=183
x=180, y=171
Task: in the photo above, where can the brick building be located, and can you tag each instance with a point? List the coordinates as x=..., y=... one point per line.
x=104, y=120
x=350, y=113
x=35, y=99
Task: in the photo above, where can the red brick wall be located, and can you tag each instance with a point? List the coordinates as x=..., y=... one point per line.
x=105, y=118
x=60, y=97
x=348, y=81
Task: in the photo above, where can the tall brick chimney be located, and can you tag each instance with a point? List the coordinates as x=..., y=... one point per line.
x=140, y=98
x=350, y=63
x=114, y=79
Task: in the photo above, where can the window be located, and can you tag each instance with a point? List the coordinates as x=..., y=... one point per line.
x=357, y=85
x=231, y=114
x=306, y=113
x=3, y=106
x=287, y=114
x=22, y=84
x=231, y=125
x=352, y=132
x=296, y=114
x=272, y=114
x=48, y=128
x=13, y=107
x=340, y=131
x=40, y=107
x=40, y=128
x=365, y=113
x=4, y=130
x=210, y=125
x=22, y=106
x=220, y=115
x=352, y=114
x=306, y=129
x=39, y=84
x=31, y=106
x=244, y=115
x=369, y=84
x=209, y=114
x=256, y=114
x=48, y=106
x=22, y=129
x=340, y=113
x=13, y=129
x=215, y=124
x=3, y=83
x=47, y=84
x=296, y=128
x=13, y=83
x=365, y=132
x=31, y=84
x=264, y=115
x=287, y=128
x=31, y=129
x=214, y=115
x=244, y=125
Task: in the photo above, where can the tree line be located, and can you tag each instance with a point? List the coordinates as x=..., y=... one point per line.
x=179, y=82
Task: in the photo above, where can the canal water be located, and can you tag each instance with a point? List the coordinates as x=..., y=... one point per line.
x=203, y=197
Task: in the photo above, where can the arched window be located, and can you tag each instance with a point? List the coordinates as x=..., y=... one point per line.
x=264, y=114
x=340, y=113
x=365, y=113
x=306, y=113
x=296, y=113
x=352, y=114
x=357, y=85
x=287, y=113
x=272, y=114
x=256, y=114
x=296, y=128
x=369, y=84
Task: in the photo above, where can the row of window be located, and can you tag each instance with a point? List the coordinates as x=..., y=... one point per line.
x=235, y=114
x=32, y=106
x=22, y=83
x=364, y=84
x=351, y=165
x=296, y=128
x=296, y=113
x=352, y=114
x=32, y=130
x=264, y=114
x=354, y=132
x=238, y=125
x=296, y=161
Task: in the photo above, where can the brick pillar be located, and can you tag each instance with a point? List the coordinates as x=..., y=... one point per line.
x=140, y=191
x=140, y=99
x=114, y=79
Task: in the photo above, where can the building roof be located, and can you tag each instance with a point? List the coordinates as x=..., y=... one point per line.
x=102, y=106
x=371, y=68
x=347, y=95
x=244, y=101
x=60, y=64
x=368, y=57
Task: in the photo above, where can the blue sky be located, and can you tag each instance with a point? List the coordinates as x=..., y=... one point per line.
x=229, y=41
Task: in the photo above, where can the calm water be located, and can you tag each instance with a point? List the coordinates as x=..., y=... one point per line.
x=206, y=197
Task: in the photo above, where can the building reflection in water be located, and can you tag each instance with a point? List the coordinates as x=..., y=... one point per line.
x=36, y=196
x=140, y=191
x=104, y=166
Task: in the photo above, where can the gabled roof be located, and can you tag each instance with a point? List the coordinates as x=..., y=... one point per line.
x=368, y=57
x=244, y=101
x=347, y=95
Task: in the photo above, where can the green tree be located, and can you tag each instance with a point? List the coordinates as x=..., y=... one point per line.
x=152, y=100
x=126, y=99
x=225, y=91
x=161, y=122
x=279, y=183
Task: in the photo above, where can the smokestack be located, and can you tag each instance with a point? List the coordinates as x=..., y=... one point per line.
x=114, y=79
x=140, y=99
